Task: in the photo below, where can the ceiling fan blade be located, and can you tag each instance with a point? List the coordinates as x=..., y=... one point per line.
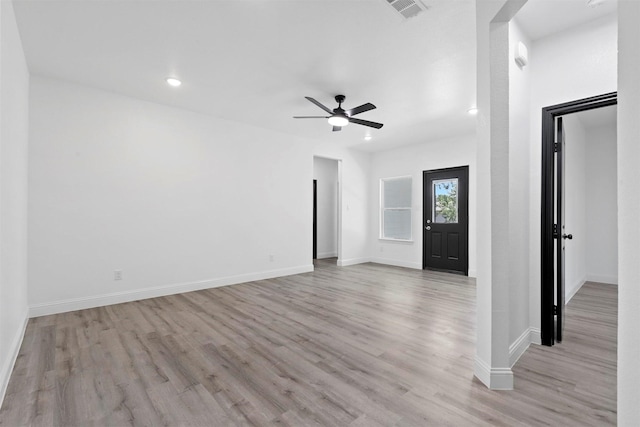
x=361, y=109
x=337, y=128
x=319, y=105
x=310, y=117
x=365, y=123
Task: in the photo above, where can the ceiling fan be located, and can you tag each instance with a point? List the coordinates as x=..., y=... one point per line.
x=340, y=117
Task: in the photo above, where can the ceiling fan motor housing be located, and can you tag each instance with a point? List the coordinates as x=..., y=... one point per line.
x=339, y=99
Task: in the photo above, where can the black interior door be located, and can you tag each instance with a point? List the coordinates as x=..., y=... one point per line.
x=559, y=233
x=315, y=218
x=446, y=220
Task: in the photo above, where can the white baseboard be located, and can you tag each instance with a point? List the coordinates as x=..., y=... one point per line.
x=535, y=336
x=73, y=304
x=352, y=261
x=611, y=280
x=14, y=349
x=521, y=344
x=322, y=255
x=397, y=263
x=571, y=292
x=408, y=264
x=493, y=378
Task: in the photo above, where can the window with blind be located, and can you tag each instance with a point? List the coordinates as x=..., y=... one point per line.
x=395, y=208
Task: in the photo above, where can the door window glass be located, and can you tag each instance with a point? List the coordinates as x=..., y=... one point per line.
x=445, y=201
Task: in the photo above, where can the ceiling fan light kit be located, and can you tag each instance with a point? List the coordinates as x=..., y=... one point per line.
x=337, y=120
x=340, y=117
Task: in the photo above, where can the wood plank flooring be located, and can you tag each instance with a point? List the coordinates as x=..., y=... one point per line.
x=366, y=345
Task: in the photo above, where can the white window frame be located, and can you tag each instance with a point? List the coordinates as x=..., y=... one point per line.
x=383, y=209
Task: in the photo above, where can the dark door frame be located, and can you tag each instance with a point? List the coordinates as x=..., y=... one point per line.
x=547, y=235
x=464, y=212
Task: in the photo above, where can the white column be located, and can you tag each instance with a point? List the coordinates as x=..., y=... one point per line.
x=628, y=213
x=492, y=346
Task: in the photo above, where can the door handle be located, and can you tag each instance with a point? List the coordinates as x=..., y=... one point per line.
x=567, y=236
x=428, y=227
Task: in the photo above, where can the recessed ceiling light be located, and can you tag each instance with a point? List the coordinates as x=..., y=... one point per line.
x=473, y=111
x=172, y=81
x=367, y=137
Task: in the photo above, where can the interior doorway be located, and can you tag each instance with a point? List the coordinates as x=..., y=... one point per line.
x=326, y=209
x=554, y=234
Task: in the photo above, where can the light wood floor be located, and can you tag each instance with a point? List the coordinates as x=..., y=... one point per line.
x=366, y=345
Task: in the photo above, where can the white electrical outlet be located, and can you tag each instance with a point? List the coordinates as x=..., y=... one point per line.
x=117, y=275
x=271, y=258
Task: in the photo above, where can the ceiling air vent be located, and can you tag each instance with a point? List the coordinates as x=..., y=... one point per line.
x=407, y=8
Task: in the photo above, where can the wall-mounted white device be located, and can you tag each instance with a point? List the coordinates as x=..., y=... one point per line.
x=521, y=55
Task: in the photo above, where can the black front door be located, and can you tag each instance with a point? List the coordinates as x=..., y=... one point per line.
x=446, y=220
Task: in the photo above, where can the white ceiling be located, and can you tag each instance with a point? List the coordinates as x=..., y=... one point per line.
x=541, y=18
x=253, y=61
x=592, y=119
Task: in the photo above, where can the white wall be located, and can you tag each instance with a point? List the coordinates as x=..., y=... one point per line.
x=573, y=64
x=575, y=176
x=325, y=171
x=602, y=205
x=353, y=203
x=413, y=160
x=173, y=199
x=519, y=99
x=14, y=90
x=628, y=213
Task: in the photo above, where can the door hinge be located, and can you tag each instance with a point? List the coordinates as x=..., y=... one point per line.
x=556, y=147
x=555, y=310
x=555, y=231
